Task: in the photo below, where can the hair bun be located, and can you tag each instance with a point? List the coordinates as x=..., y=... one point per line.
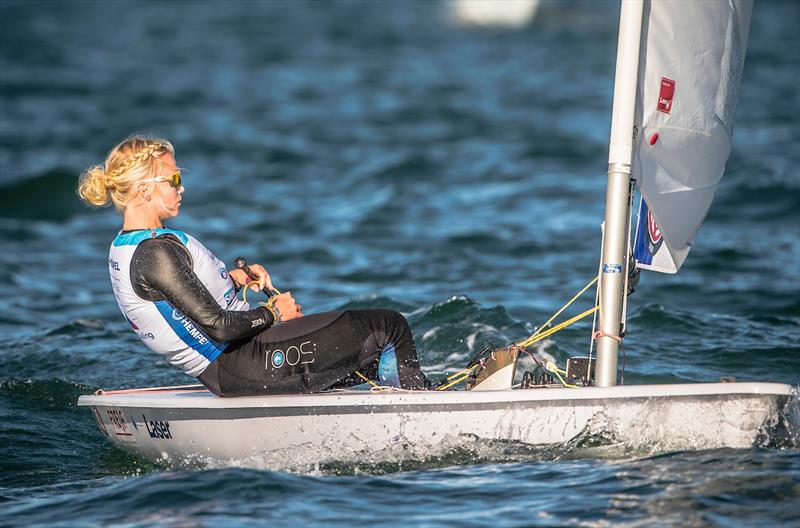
x=93, y=186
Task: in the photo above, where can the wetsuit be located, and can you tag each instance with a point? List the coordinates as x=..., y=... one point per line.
x=180, y=300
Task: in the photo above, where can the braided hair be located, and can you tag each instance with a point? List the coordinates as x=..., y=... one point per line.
x=129, y=162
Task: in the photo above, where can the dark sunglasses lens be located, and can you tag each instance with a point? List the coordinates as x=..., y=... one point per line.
x=176, y=180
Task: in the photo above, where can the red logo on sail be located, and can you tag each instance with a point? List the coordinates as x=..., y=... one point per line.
x=665, y=95
x=653, y=233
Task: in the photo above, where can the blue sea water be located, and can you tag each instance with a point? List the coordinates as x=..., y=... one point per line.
x=377, y=154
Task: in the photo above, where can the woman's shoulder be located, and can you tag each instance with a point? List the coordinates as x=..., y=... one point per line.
x=167, y=248
x=137, y=236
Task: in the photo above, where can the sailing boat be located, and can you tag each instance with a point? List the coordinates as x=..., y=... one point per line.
x=674, y=101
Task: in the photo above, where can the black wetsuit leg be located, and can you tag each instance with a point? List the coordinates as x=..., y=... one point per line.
x=317, y=352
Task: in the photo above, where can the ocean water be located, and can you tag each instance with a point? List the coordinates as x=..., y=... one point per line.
x=378, y=154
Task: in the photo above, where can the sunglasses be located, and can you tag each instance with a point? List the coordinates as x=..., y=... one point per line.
x=174, y=179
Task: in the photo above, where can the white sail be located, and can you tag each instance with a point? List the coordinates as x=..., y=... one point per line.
x=691, y=60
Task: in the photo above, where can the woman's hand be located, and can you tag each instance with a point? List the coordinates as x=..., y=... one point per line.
x=240, y=278
x=288, y=306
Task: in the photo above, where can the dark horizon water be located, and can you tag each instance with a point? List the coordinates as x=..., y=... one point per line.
x=376, y=154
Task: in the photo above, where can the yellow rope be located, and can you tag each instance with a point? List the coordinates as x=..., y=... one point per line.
x=552, y=367
x=455, y=382
x=539, y=336
x=460, y=372
x=247, y=287
x=360, y=375
x=574, y=298
x=461, y=375
x=251, y=283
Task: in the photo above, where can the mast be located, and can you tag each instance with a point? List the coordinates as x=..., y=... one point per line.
x=614, y=253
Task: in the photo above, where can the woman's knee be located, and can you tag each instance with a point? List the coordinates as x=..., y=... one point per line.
x=380, y=317
x=391, y=315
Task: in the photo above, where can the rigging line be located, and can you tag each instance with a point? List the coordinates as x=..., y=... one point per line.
x=452, y=383
x=388, y=388
x=530, y=340
x=624, y=325
x=465, y=371
x=574, y=298
x=247, y=287
x=596, y=297
x=101, y=392
x=552, y=367
x=251, y=283
x=360, y=375
x=594, y=321
x=547, y=333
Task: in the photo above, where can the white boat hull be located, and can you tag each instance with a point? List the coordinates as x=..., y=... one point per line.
x=280, y=432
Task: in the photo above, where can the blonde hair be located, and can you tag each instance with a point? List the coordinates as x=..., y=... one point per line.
x=132, y=160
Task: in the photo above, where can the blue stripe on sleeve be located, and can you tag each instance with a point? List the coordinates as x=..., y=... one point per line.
x=190, y=333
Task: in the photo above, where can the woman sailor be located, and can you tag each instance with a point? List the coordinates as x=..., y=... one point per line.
x=181, y=300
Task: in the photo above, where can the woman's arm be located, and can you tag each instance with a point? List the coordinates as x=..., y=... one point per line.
x=161, y=269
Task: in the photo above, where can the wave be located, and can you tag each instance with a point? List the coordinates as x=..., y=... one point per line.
x=451, y=331
x=772, y=198
x=51, y=394
x=284, y=156
x=78, y=327
x=670, y=345
x=755, y=485
x=23, y=199
x=375, y=302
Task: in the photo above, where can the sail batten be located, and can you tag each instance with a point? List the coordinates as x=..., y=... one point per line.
x=691, y=61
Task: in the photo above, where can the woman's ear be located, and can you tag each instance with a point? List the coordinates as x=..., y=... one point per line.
x=145, y=193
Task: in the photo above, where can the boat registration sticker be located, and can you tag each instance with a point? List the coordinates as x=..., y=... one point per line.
x=117, y=420
x=665, y=95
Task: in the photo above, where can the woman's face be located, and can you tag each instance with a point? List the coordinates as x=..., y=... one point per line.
x=166, y=199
